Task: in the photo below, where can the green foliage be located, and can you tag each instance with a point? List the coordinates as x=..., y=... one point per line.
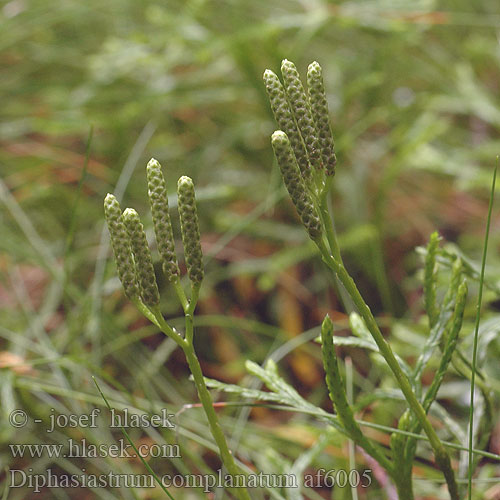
x=411, y=89
x=430, y=279
x=444, y=325
x=151, y=298
x=336, y=390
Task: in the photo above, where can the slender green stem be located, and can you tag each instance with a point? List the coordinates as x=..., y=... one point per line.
x=350, y=398
x=331, y=237
x=402, y=468
x=206, y=401
x=476, y=331
x=189, y=331
x=145, y=311
x=441, y=455
x=327, y=221
x=167, y=329
x=195, y=292
x=180, y=294
x=186, y=343
x=189, y=311
x=129, y=439
x=404, y=487
x=339, y=399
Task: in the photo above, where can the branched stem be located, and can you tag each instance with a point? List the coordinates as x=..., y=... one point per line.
x=187, y=346
x=207, y=403
x=180, y=294
x=328, y=222
x=168, y=330
x=136, y=272
x=441, y=455
x=331, y=237
x=145, y=311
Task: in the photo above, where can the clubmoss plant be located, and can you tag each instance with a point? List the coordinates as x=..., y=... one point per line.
x=311, y=127
x=138, y=278
x=304, y=150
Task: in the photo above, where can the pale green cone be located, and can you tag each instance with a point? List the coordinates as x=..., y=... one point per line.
x=158, y=199
x=121, y=246
x=295, y=184
x=300, y=107
x=319, y=108
x=190, y=229
x=142, y=256
x=285, y=120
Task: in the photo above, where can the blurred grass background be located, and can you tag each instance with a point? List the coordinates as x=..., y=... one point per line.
x=413, y=94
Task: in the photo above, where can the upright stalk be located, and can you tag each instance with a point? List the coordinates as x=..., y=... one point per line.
x=305, y=129
x=331, y=237
x=328, y=222
x=187, y=346
x=136, y=272
x=441, y=455
x=476, y=335
x=206, y=401
x=404, y=487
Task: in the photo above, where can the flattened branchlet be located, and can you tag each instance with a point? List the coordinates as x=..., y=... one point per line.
x=142, y=256
x=430, y=273
x=338, y=396
x=120, y=243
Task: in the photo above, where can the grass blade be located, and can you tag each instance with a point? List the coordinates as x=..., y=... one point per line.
x=72, y=220
x=476, y=330
x=127, y=437
x=7, y=485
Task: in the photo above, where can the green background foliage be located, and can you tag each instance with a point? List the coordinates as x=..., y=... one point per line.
x=415, y=109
